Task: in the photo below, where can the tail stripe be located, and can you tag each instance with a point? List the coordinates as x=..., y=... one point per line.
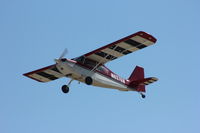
x=151, y=80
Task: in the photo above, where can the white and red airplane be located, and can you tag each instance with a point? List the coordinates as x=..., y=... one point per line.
x=90, y=68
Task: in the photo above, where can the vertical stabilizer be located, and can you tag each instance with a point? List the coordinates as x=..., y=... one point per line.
x=137, y=75
x=138, y=81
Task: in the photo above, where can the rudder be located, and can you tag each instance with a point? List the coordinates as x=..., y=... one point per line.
x=138, y=81
x=137, y=75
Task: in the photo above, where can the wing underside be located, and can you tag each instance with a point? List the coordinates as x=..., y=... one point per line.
x=45, y=74
x=121, y=47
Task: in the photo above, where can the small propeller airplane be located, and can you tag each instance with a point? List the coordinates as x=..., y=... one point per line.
x=90, y=68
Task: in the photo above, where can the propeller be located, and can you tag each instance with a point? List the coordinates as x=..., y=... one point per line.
x=63, y=53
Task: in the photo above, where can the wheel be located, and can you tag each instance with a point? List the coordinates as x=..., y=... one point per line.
x=65, y=89
x=88, y=80
x=143, y=96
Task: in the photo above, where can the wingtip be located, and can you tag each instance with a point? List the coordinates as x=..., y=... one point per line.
x=147, y=36
x=155, y=79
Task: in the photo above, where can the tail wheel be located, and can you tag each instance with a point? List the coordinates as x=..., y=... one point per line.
x=88, y=80
x=143, y=96
x=65, y=89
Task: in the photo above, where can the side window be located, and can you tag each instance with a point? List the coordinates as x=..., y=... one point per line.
x=102, y=69
x=89, y=63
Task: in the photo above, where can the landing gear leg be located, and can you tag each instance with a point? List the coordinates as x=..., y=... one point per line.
x=65, y=88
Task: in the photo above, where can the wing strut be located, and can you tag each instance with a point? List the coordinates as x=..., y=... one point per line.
x=101, y=61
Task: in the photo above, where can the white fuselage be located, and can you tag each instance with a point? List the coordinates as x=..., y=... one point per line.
x=77, y=72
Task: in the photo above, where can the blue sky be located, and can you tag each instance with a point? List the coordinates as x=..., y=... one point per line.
x=34, y=33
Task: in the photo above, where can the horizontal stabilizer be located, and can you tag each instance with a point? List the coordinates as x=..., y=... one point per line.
x=138, y=81
x=145, y=81
x=140, y=84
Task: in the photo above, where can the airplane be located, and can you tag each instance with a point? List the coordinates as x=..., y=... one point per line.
x=90, y=68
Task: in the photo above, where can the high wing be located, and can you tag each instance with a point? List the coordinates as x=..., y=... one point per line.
x=121, y=47
x=45, y=74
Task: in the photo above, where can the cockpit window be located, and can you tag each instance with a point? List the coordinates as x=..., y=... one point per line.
x=90, y=63
x=102, y=69
x=79, y=59
x=86, y=61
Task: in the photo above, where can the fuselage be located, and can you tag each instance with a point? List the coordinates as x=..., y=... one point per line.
x=101, y=75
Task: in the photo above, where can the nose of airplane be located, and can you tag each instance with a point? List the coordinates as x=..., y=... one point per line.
x=63, y=59
x=60, y=60
x=56, y=60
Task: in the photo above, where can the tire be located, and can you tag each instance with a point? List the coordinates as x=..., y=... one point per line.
x=65, y=89
x=88, y=80
x=143, y=96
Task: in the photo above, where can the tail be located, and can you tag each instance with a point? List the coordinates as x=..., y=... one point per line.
x=138, y=81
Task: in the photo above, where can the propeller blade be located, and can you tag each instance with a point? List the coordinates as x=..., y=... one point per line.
x=63, y=53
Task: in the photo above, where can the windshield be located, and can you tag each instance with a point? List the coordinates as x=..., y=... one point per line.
x=79, y=59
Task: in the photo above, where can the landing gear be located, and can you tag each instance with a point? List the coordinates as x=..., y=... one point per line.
x=65, y=88
x=142, y=95
x=88, y=80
